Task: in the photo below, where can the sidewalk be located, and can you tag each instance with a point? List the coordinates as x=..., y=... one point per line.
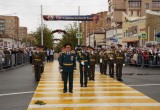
x=103, y=93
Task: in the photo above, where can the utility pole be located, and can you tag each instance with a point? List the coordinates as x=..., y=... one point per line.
x=78, y=25
x=41, y=25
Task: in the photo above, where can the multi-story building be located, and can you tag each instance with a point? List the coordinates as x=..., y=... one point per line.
x=152, y=28
x=10, y=32
x=94, y=32
x=9, y=25
x=132, y=8
x=22, y=32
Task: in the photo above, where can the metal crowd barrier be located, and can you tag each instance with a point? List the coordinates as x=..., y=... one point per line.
x=8, y=61
x=149, y=61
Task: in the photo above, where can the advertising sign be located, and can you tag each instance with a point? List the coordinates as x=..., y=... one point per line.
x=71, y=18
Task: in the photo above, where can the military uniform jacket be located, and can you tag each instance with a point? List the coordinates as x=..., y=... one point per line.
x=100, y=57
x=38, y=58
x=119, y=57
x=93, y=58
x=83, y=57
x=111, y=57
x=67, y=61
x=105, y=57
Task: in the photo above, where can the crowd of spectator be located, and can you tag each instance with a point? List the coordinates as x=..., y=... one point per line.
x=149, y=56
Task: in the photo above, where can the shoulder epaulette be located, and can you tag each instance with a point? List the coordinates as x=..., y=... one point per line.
x=72, y=51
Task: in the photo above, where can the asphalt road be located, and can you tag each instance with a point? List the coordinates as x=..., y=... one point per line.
x=17, y=85
x=13, y=84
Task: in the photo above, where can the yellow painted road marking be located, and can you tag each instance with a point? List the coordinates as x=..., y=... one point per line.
x=104, y=93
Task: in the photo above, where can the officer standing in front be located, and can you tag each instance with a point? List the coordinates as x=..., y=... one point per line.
x=83, y=59
x=119, y=60
x=37, y=62
x=67, y=64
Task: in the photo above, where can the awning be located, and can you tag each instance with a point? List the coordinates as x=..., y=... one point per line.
x=130, y=39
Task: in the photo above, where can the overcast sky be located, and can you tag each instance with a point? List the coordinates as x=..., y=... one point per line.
x=29, y=12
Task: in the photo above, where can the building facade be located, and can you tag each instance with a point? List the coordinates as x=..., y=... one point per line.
x=10, y=32
x=95, y=32
x=152, y=27
x=22, y=32
x=135, y=10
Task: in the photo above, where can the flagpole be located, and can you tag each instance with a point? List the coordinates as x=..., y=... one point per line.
x=41, y=25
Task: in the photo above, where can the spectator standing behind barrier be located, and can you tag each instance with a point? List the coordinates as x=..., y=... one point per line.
x=153, y=56
x=146, y=57
x=48, y=55
x=30, y=55
x=140, y=57
x=51, y=53
x=158, y=57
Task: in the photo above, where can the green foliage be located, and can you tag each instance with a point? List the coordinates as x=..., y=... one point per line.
x=70, y=37
x=47, y=37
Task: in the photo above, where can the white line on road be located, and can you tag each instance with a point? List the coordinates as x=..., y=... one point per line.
x=90, y=97
x=145, y=85
x=90, y=92
x=95, y=105
x=18, y=93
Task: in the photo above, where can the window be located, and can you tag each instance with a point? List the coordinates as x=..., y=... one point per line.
x=147, y=5
x=156, y=4
x=110, y=8
x=138, y=13
x=134, y=4
x=131, y=13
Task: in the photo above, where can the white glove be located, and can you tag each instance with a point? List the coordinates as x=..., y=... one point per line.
x=61, y=70
x=82, y=62
x=100, y=61
x=32, y=65
x=124, y=64
x=111, y=58
x=114, y=64
x=88, y=66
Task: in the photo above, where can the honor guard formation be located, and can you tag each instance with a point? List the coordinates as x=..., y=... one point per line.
x=87, y=79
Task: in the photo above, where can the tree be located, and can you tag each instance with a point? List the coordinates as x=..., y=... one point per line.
x=29, y=40
x=47, y=37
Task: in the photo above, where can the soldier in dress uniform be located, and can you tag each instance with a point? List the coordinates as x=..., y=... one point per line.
x=111, y=60
x=105, y=60
x=63, y=50
x=100, y=59
x=92, y=63
x=44, y=55
x=37, y=62
x=83, y=59
x=119, y=60
x=67, y=63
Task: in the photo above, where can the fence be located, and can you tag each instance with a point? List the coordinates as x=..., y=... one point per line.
x=9, y=61
x=150, y=60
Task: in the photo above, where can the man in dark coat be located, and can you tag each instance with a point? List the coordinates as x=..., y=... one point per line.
x=67, y=64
